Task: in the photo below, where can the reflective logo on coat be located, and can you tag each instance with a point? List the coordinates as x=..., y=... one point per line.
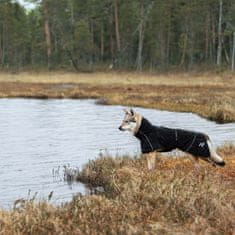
x=202, y=144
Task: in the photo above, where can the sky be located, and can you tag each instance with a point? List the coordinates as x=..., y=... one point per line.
x=26, y=4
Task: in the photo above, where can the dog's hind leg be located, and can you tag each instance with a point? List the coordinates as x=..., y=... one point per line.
x=151, y=160
x=214, y=157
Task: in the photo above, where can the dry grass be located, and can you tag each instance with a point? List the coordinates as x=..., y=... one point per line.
x=209, y=95
x=174, y=199
x=122, y=78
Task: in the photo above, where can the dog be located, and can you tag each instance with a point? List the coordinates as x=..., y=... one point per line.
x=162, y=139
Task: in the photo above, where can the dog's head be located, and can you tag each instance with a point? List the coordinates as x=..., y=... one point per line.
x=131, y=121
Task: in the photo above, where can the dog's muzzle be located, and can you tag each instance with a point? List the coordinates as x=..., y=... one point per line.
x=120, y=128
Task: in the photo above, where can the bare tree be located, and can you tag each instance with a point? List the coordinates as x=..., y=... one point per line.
x=144, y=13
x=219, y=49
x=233, y=53
x=116, y=19
x=1, y=50
x=47, y=33
x=139, y=62
x=102, y=42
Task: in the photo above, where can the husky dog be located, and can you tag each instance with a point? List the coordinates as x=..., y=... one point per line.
x=162, y=139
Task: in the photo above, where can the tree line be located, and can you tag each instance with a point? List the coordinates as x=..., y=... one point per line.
x=123, y=34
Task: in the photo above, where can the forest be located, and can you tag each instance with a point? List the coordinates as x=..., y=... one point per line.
x=118, y=34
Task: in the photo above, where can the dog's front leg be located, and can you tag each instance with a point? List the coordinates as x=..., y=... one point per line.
x=151, y=160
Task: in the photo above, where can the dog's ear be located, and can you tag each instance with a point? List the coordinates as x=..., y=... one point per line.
x=132, y=112
x=126, y=111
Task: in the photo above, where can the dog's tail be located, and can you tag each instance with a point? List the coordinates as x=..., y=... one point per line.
x=218, y=160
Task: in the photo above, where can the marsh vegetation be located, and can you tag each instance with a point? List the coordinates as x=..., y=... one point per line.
x=115, y=36
x=209, y=95
x=172, y=199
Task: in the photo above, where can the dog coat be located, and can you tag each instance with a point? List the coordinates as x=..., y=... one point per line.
x=163, y=139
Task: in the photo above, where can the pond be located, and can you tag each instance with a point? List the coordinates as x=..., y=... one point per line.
x=39, y=137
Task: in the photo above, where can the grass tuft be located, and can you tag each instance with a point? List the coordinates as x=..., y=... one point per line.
x=223, y=112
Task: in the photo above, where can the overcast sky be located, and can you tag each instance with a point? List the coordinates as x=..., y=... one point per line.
x=26, y=4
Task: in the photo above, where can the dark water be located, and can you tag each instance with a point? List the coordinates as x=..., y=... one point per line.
x=39, y=137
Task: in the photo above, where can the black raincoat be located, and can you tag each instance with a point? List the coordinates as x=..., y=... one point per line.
x=163, y=139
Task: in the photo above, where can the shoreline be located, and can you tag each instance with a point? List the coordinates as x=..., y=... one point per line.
x=208, y=96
